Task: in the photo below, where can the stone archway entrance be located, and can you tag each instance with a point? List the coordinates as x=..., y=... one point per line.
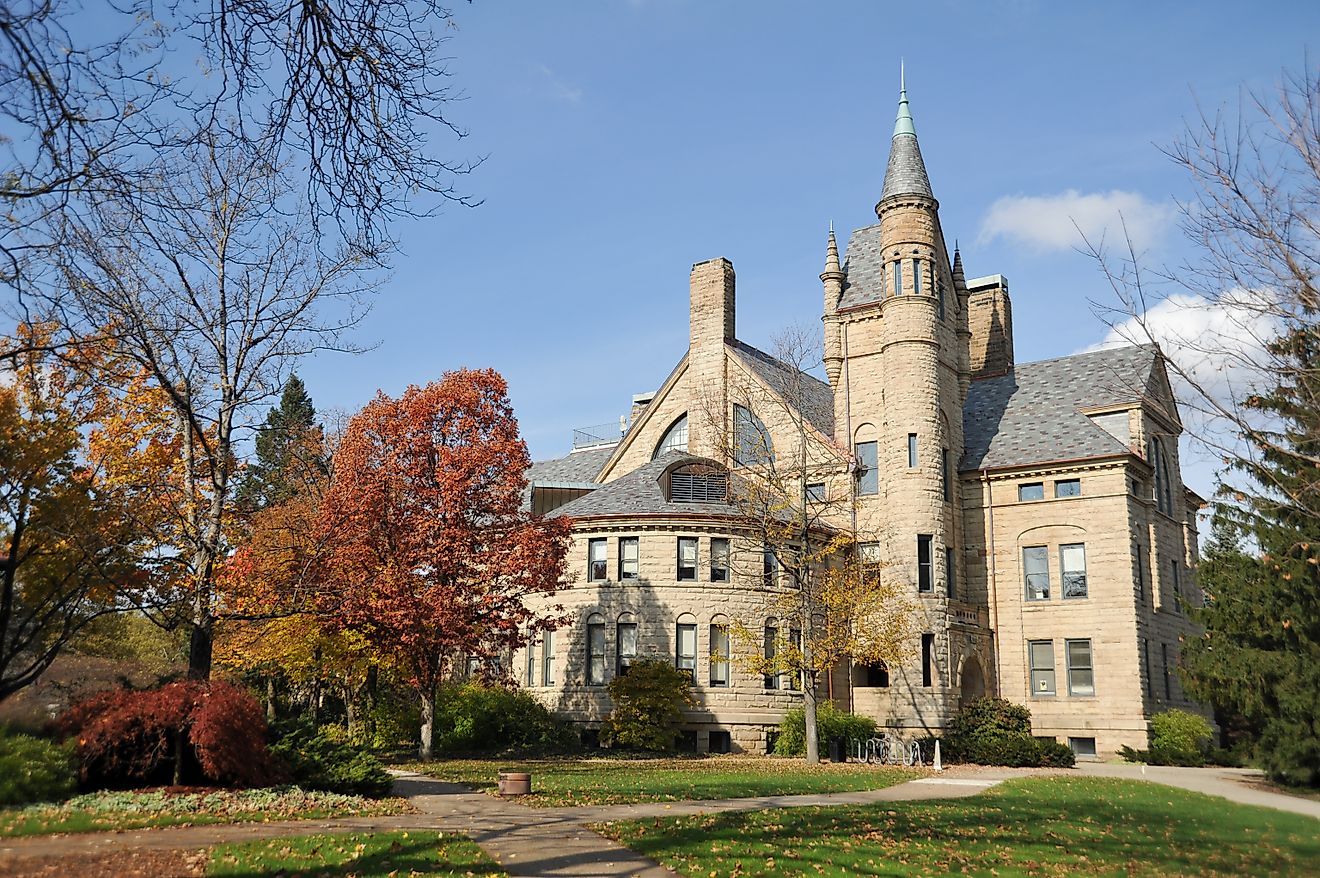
x=972, y=683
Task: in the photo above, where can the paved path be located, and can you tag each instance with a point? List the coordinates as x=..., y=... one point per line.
x=1242, y=785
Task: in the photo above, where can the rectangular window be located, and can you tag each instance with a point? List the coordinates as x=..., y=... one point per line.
x=898, y=278
x=685, y=649
x=719, y=560
x=771, y=680
x=1036, y=567
x=1139, y=570
x=531, y=661
x=1177, y=585
x=595, y=653
x=877, y=675
x=628, y=558
x=1041, y=656
x=916, y=277
x=1031, y=491
x=816, y=492
x=939, y=291
x=1150, y=678
x=927, y=660
x=1072, y=561
x=719, y=655
x=769, y=567
x=793, y=679
x=720, y=742
x=1081, y=677
x=1068, y=488
x=925, y=575
x=950, y=575
x=598, y=568
x=912, y=450
x=625, y=643
x=1083, y=748
x=1168, y=681
x=945, y=485
x=687, y=559
x=548, y=658
x=868, y=476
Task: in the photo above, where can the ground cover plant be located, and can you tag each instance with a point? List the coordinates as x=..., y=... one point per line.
x=138, y=809
x=33, y=770
x=364, y=855
x=1046, y=826
x=561, y=782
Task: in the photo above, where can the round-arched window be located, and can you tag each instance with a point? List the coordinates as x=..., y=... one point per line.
x=675, y=438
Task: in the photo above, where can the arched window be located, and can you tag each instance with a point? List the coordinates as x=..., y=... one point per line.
x=720, y=651
x=595, y=650
x=751, y=440
x=625, y=643
x=1163, y=488
x=675, y=438
x=685, y=645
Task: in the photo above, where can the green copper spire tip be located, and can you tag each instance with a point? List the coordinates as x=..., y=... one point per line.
x=903, y=124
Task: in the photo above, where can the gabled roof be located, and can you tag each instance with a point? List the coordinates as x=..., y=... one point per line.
x=863, y=269
x=817, y=398
x=576, y=468
x=640, y=493
x=1033, y=414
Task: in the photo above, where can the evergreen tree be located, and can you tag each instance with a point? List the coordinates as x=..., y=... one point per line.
x=286, y=443
x=1260, y=654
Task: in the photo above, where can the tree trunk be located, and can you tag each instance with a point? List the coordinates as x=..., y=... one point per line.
x=428, y=723
x=180, y=739
x=350, y=708
x=200, y=645
x=270, y=699
x=809, y=715
x=369, y=712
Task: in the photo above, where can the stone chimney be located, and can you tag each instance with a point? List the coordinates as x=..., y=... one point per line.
x=711, y=319
x=990, y=319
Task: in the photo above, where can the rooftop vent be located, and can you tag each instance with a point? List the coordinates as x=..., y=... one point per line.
x=698, y=486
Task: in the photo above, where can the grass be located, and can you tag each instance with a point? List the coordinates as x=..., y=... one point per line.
x=1040, y=826
x=560, y=782
x=363, y=855
x=138, y=809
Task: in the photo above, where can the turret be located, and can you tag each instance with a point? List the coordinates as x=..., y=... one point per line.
x=832, y=281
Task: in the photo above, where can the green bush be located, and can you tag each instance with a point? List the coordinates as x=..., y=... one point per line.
x=323, y=759
x=34, y=770
x=396, y=718
x=1180, y=730
x=648, y=705
x=475, y=718
x=1164, y=756
x=830, y=723
x=993, y=731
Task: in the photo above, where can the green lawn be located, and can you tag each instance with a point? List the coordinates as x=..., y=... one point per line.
x=138, y=809
x=558, y=782
x=360, y=854
x=1041, y=826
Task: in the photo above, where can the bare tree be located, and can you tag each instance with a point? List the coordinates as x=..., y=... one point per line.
x=206, y=288
x=823, y=584
x=1254, y=224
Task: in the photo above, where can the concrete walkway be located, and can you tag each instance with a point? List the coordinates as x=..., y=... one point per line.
x=1243, y=785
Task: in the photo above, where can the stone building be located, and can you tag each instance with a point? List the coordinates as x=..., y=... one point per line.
x=1035, y=511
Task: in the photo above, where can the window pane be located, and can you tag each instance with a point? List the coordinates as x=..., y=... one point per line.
x=868, y=477
x=719, y=560
x=1041, y=653
x=626, y=635
x=596, y=654
x=950, y=575
x=1073, y=559
x=687, y=558
x=531, y=662
x=628, y=555
x=916, y=276
x=597, y=566
x=912, y=450
x=898, y=278
x=548, y=658
x=1068, y=488
x=769, y=567
x=751, y=444
x=675, y=438
x=816, y=492
x=946, y=487
x=771, y=681
x=927, y=659
x=1080, y=676
x=1032, y=491
x=1035, y=563
x=925, y=578
x=719, y=655
x=686, y=657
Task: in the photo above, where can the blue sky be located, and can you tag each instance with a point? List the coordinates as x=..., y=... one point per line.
x=628, y=140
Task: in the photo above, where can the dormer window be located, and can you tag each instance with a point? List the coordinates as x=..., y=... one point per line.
x=692, y=484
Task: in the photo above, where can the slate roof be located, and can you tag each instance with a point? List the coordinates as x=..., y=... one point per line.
x=639, y=493
x=906, y=173
x=576, y=468
x=863, y=269
x=1030, y=416
x=817, y=398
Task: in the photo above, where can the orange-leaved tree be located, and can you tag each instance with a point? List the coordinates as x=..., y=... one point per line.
x=425, y=536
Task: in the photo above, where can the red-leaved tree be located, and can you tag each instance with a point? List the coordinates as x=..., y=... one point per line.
x=425, y=542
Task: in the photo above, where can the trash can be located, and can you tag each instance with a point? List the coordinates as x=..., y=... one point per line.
x=838, y=752
x=515, y=783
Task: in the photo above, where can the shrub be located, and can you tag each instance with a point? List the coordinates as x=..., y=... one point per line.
x=323, y=759
x=34, y=770
x=830, y=723
x=476, y=718
x=993, y=731
x=182, y=732
x=1180, y=730
x=1163, y=756
x=648, y=705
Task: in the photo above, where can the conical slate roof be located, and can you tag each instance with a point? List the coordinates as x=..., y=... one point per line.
x=906, y=174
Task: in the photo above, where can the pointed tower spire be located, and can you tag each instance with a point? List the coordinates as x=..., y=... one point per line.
x=959, y=280
x=906, y=174
x=832, y=254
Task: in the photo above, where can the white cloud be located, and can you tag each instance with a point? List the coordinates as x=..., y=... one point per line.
x=559, y=89
x=1058, y=222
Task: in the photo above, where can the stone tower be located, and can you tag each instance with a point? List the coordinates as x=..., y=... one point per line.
x=896, y=337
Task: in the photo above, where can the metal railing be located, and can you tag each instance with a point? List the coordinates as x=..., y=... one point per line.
x=889, y=749
x=601, y=434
